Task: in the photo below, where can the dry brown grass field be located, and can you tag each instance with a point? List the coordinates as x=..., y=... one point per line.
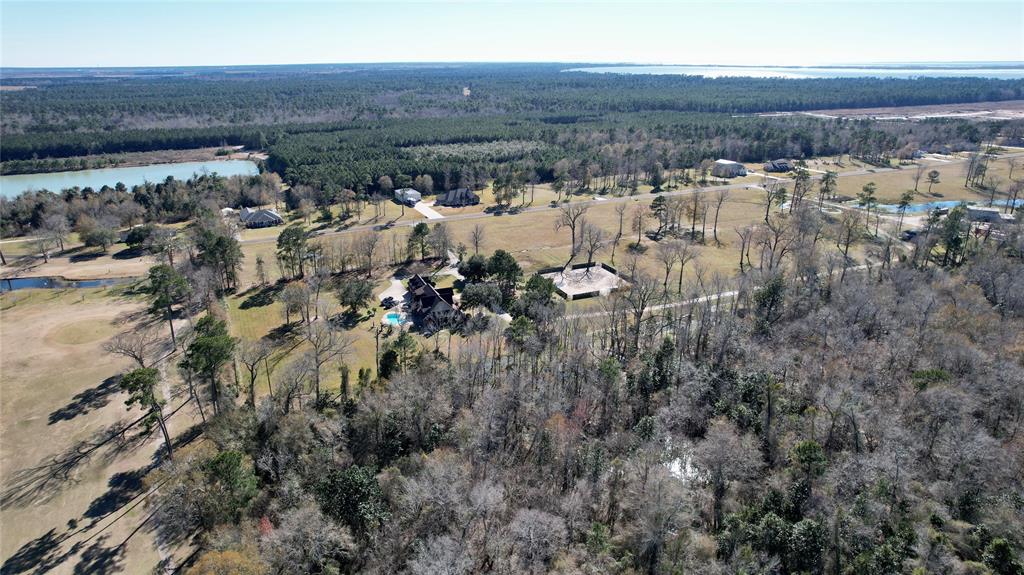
x=60, y=511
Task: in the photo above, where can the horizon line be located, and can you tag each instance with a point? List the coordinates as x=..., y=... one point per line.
x=888, y=64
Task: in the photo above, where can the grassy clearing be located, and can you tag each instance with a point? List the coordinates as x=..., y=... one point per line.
x=532, y=239
x=252, y=319
x=78, y=262
x=390, y=213
x=58, y=395
x=891, y=185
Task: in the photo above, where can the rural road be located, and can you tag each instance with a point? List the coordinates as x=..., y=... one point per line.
x=549, y=208
x=593, y=202
x=715, y=297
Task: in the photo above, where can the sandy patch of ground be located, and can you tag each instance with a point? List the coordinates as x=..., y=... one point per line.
x=1008, y=110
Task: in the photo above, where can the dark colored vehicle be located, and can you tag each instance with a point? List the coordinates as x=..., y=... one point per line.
x=388, y=302
x=908, y=235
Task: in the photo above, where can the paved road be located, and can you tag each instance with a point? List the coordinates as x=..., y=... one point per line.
x=549, y=208
x=710, y=297
x=598, y=201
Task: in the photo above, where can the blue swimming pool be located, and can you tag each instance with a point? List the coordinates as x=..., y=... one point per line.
x=395, y=318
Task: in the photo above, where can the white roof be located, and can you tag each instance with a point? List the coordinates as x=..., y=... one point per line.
x=725, y=162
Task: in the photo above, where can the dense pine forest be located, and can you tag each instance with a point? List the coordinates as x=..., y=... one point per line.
x=184, y=108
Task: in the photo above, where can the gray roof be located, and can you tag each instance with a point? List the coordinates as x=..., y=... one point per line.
x=248, y=215
x=458, y=196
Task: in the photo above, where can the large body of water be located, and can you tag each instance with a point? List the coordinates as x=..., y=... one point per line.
x=1008, y=72
x=11, y=186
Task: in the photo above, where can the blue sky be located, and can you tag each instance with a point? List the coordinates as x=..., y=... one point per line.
x=226, y=32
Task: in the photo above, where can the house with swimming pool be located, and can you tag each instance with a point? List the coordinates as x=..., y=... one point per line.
x=434, y=307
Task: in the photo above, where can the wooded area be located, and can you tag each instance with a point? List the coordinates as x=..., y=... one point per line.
x=868, y=422
x=92, y=115
x=847, y=402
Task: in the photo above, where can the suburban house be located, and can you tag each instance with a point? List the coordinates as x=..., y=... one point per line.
x=728, y=169
x=457, y=198
x=407, y=196
x=260, y=218
x=778, y=166
x=434, y=307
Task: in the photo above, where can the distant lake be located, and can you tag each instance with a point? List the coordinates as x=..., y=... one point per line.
x=11, y=186
x=1014, y=72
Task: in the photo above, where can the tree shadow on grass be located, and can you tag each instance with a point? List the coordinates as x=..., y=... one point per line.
x=99, y=558
x=283, y=333
x=261, y=297
x=349, y=320
x=497, y=210
x=128, y=254
x=88, y=400
x=40, y=555
x=53, y=474
x=123, y=488
x=85, y=257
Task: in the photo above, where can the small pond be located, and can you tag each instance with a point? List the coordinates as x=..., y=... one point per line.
x=55, y=282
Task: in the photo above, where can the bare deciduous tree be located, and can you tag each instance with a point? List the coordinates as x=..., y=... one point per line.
x=327, y=344
x=592, y=241
x=476, y=237
x=720, y=198
x=365, y=248
x=643, y=291
x=252, y=354
x=569, y=215
x=722, y=457
x=141, y=346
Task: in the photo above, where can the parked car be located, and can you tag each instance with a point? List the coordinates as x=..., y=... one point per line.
x=908, y=235
x=388, y=302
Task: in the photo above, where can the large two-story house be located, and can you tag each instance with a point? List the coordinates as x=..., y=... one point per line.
x=435, y=307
